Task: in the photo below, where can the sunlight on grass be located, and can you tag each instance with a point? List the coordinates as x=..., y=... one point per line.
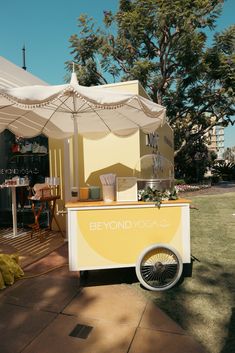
x=203, y=304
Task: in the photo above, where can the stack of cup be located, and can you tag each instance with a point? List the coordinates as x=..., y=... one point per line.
x=108, y=186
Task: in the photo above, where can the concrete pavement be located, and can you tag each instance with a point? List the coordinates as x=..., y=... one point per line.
x=54, y=313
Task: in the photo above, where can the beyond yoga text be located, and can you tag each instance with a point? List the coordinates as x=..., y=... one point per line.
x=126, y=224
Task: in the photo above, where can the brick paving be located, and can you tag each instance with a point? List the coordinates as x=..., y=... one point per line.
x=40, y=314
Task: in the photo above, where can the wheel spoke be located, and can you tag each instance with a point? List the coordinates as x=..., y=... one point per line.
x=159, y=268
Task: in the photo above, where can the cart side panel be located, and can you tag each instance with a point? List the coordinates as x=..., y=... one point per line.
x=114, y=237
x=72, y=241
x=186, y=243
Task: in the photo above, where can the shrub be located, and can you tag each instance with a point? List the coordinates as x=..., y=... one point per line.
x=179, y=181
x=224, y=170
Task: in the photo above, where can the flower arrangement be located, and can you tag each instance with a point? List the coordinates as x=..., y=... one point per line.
x=151, y=194
x=185, y=187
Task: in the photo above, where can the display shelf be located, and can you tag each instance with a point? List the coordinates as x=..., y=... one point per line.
x=16, y=155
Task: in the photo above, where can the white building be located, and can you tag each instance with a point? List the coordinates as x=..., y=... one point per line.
x=216, y=141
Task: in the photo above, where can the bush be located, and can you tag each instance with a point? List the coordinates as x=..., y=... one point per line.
x=215, y=179
x=207, y=180
x=179, y=181
x=224, y=171
x=191, y=163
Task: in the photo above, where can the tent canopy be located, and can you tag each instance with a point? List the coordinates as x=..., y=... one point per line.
x=12, y=75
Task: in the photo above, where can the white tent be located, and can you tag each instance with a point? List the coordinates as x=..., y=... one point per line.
x=12, y=75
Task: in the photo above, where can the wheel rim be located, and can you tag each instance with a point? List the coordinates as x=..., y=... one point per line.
x=159, y=268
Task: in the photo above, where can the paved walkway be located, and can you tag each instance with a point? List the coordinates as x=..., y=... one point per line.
x=42, y=314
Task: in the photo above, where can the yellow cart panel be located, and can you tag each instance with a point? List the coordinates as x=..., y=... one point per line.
x=113, y=235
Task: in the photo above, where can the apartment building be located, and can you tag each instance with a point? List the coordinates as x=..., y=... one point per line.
x=216, y=141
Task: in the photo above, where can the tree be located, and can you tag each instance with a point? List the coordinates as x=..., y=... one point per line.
x=163, y=45
x=193, y=165
x=229, y=154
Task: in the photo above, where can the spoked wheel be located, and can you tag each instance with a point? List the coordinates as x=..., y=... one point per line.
x=159, y=267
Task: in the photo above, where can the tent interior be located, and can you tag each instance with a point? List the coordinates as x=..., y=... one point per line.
x=17, y=157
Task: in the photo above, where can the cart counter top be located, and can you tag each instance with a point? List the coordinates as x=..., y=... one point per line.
x=78, y=204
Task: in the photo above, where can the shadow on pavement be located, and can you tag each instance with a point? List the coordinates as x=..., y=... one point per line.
x=107, y=277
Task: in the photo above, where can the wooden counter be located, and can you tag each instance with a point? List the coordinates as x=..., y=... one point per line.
x=75, y=204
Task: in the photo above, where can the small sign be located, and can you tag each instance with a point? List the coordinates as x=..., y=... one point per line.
x=126, y=189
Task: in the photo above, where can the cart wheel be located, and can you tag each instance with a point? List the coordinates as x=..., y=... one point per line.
x=159, y=267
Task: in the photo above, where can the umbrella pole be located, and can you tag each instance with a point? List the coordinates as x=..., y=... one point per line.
x=75, y=153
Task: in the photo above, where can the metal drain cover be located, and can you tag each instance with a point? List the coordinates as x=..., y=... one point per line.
x=81, y=331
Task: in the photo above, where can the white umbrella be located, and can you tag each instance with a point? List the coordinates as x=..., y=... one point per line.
x=65, y=110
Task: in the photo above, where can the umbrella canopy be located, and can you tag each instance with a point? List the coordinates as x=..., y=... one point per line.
x=65, y=110
x=51, y=110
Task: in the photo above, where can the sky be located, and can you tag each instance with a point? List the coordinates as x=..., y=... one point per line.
x=45, y=26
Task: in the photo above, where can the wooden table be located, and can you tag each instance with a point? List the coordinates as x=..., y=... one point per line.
x=49, y=201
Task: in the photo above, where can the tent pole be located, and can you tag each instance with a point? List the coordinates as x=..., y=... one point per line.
x=75, y=153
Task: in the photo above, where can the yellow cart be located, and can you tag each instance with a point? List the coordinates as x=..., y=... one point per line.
x=155, y=240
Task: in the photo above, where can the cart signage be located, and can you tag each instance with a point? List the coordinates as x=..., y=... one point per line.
x=127, y=224
x=118, y=236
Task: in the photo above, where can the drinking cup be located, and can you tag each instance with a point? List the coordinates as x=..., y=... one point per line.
x=84, y=193
x=74, y=193
x=94, y=192
x=108, y=193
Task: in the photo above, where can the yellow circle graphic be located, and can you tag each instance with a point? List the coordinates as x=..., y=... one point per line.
x=120, y=235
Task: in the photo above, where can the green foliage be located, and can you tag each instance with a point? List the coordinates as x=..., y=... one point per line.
x=215, y=179
x=163, y=44
x=224, y=170
x=192, y=162
x=179, y=181
x=85, y=48
x=151, y=194
x=194, y=304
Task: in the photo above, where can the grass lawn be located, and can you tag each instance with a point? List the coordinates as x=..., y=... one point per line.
x=204, y=303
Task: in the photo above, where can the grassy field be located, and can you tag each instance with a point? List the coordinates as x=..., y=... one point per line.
x=204, y=303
